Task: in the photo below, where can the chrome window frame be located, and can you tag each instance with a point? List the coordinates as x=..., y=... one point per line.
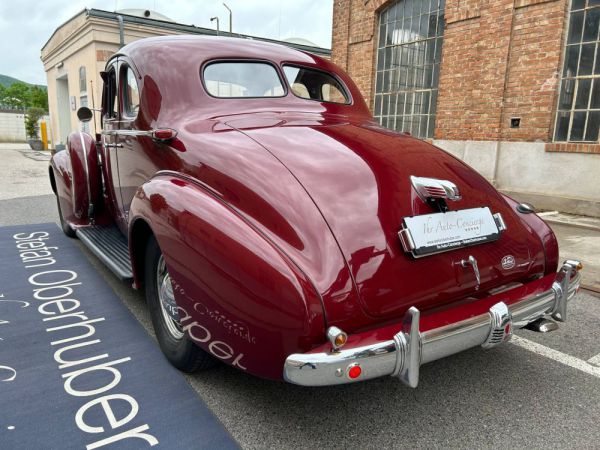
x=280, y=76
x=126, y=101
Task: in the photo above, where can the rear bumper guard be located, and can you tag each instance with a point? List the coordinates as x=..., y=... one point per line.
x=410, y=348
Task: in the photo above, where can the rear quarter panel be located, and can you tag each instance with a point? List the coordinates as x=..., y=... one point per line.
x=240, y=298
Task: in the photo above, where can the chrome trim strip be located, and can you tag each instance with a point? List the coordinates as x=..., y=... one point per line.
x=409, y=348
x=128, y=133
x=87, y=175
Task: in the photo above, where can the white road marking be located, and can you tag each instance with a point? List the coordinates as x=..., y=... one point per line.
x=595, y=360
x=567, y=360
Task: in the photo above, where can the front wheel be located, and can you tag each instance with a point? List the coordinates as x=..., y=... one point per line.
x=178, y=349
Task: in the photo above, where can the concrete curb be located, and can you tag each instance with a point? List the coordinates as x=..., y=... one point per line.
x=586, y=223
x=572, y=224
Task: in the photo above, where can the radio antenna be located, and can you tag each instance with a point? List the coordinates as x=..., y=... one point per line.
x=93, y=106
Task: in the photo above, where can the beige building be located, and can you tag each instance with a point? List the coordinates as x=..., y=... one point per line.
x=77, y=51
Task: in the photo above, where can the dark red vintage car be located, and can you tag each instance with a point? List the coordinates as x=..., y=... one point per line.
x=276, y=227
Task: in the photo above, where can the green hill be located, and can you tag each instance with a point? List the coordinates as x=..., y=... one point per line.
x=6, y=81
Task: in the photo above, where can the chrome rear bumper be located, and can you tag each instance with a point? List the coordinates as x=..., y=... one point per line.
x=403, y=355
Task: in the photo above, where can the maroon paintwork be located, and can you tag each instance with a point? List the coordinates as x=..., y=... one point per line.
x=278, y=217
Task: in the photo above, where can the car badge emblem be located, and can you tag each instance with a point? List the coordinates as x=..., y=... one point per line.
x=508, y=262
x=429, y=188
x=473, y=263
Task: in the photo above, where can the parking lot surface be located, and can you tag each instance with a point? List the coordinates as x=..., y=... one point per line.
x=542, y=390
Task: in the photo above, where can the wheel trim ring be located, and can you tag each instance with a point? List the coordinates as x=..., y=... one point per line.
x=163, y=277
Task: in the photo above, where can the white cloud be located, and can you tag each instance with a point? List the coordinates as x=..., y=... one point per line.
x=26, y=25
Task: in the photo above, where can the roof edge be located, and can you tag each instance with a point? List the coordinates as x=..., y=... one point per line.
x=192, y=29
x=84, y=10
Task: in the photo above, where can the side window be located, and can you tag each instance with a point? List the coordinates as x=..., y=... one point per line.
x=131, y=93
x=315, y=85
x=231, y=79
x=109, y=94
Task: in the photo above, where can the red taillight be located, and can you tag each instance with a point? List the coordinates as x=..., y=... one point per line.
x=354, y=371
x=507, y=329
x=164, y=134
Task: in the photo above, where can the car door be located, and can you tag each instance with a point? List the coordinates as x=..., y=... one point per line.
x=137, y=157
x=110, y=145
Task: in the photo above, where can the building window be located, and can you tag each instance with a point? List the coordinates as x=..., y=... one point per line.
x=578, y=115
x=408, y=65
x=82, y=80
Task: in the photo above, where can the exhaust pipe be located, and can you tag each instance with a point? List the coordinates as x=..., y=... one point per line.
x=542, y=325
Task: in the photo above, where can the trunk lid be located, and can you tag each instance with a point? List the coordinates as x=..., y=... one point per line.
x=359, y=177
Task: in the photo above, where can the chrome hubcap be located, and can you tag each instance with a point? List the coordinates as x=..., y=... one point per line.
x=168, y=306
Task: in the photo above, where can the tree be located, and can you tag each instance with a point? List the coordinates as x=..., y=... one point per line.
x=38, y=98
x=17, y=95
x=31, y=122
x=20, y=95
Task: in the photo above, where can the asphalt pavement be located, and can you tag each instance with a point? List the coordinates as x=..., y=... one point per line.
x=542, y=390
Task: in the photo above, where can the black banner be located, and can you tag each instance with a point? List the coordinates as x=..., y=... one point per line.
x=76, y=368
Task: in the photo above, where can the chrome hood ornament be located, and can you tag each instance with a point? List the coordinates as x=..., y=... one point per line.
x=432, y=188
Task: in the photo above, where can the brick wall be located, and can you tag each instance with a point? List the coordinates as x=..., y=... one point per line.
x=501, y=59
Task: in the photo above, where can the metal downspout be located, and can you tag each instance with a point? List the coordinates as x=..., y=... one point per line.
x=504, y=89
x=121, y=31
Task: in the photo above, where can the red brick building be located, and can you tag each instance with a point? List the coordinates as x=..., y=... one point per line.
x=510, y=86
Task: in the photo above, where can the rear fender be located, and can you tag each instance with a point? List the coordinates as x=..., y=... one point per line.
x=544, y=232
x=240, y=298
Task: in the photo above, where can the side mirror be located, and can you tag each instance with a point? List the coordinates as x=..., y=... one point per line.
x=85, y=114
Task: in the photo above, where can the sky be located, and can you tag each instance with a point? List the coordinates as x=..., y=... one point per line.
x=26, y=25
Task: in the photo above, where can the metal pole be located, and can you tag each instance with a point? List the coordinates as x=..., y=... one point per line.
x=44, y=132
x=212, y=19
x=230, y=18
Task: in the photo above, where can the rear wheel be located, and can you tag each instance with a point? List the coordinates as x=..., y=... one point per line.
x=179, y=350
x=63, y=223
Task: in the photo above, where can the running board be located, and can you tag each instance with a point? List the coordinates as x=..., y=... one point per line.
x=110, y=246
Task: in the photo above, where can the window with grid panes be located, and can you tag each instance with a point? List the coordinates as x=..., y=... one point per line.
x=578, y=114
x=408, y=65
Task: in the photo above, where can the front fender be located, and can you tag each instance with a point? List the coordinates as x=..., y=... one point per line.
x=240, y=298
x=85, y=174
x=61, y=179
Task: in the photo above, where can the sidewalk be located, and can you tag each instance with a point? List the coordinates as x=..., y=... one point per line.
x=13, y=146
x=24, y=172
x=578, y=238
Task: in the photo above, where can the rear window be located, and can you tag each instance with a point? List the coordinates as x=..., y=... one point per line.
x=234, y=79
x=315, y=85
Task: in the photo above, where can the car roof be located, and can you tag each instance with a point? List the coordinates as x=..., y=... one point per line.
x=170, y=67
x=211, y=47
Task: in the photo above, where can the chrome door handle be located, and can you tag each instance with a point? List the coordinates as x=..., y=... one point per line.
x=114, y=145
x=157, y=134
